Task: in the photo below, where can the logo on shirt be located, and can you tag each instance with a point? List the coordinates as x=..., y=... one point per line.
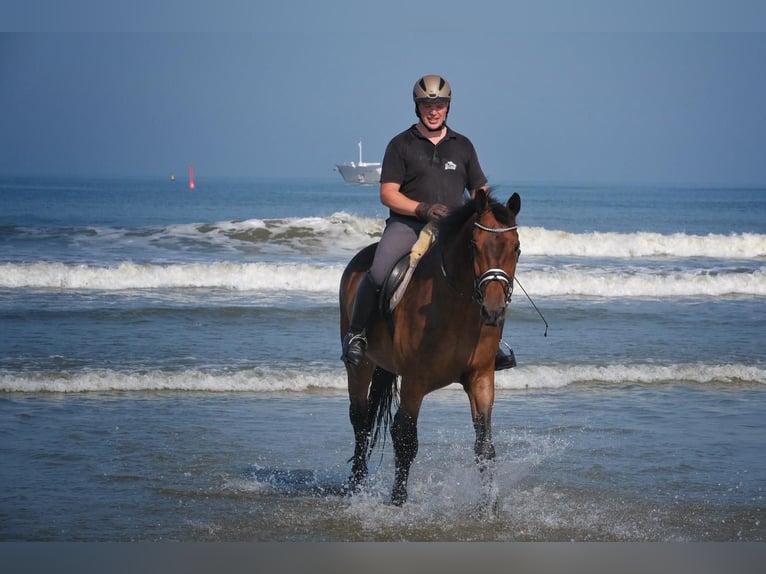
x=450, y=165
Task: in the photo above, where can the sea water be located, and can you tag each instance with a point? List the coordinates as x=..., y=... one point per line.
x=169, y=368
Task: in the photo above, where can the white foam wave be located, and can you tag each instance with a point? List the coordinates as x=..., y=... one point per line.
x=538, y=241
x=238, y=276
x=291, y=380
x=604, y=282
x=252, y=380
x=567, y=281
x=338, y=234
x=558, y=376
x=341, y=232
x=352, y=232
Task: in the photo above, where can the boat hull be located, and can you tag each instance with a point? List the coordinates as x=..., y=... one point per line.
x=368, y=174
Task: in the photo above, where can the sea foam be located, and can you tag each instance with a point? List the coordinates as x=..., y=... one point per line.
x=269, y=380
x=542, y=242
x=548, y=281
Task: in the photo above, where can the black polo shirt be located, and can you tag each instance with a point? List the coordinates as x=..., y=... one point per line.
x=432, y=173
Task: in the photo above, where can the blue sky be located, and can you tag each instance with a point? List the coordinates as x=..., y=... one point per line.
x=589, y=91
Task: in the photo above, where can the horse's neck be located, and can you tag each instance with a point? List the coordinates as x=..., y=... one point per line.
x=455, y=266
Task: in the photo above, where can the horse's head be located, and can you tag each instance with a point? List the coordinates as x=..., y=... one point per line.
x=490, y=230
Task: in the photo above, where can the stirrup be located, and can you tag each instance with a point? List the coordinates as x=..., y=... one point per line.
x=354, y=348
x=502, y=360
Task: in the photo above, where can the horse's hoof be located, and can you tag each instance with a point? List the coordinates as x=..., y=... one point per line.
x=398, y=497
x=354, y=485
x=489, y=509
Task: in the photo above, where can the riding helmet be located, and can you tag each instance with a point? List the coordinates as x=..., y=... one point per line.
x=432, y=89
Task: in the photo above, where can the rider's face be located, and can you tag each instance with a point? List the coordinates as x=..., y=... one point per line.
x=433, y=114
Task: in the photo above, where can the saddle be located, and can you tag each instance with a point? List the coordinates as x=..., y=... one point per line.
x=396, y=283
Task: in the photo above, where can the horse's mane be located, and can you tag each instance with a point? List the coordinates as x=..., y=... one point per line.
x=450, y=226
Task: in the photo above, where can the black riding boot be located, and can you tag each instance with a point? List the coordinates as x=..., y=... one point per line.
x=504, y=360
x=355, y=342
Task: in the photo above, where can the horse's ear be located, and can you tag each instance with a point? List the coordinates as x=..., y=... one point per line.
x=514, y=204
x=482, y=198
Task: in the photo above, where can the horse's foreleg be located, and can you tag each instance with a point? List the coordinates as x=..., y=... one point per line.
x=404, y=434
x=483, y=448
x=482, y=395
x=358, y=412
x=360, y=422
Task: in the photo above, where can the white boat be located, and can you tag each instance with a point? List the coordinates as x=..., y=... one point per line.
x=361, y=173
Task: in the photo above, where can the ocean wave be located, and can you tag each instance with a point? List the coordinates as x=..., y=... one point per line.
x=342, y=234
x=342, y=230
x=552, y=281
x=266, y=380
x=542, y=242
x=127, y=276
x=644, y=283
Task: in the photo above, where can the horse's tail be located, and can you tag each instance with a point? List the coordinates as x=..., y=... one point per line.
x=383, y=397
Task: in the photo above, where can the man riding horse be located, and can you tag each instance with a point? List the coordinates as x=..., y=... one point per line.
x=426, y=172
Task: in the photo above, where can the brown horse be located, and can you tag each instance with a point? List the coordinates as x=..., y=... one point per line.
x=445, y=329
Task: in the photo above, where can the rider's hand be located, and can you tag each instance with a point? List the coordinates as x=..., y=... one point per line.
x=430, y=211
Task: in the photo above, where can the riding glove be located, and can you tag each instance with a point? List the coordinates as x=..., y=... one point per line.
x=430, y=211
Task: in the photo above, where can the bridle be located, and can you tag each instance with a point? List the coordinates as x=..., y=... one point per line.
x=495, y=274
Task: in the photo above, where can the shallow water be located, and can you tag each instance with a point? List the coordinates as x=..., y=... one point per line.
x=669, y=463
x=169, y=369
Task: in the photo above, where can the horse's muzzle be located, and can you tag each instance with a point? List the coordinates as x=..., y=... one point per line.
x=493, y=317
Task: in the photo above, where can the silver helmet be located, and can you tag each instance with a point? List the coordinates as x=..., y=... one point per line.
x=432, y=89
